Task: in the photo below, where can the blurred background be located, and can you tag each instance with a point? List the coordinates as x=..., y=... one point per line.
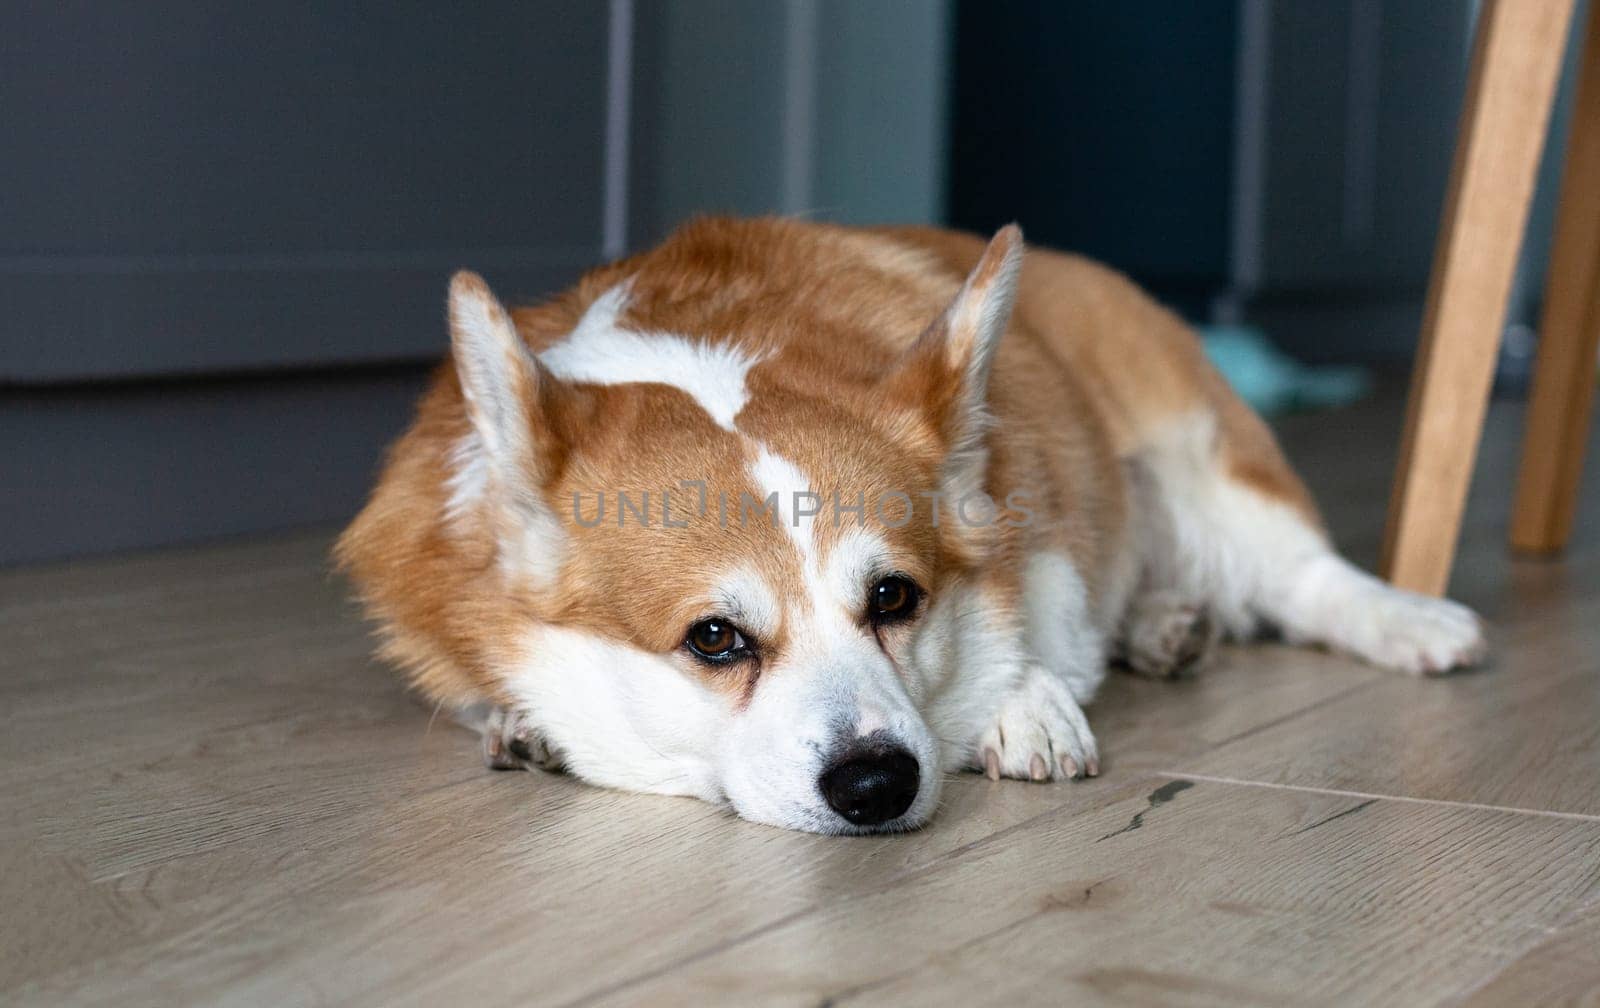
x=225, y=229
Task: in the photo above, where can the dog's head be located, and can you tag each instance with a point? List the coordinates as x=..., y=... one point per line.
x=725, y=554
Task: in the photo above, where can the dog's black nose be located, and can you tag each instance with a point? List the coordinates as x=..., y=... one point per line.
x=872, y=787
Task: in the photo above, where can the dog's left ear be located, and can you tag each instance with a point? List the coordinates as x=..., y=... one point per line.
x=946, y=371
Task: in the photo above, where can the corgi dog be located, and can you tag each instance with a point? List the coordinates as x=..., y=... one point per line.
x=801, y=518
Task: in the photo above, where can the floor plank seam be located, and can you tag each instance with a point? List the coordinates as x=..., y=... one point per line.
x=1371, y=796
x=1297, y=712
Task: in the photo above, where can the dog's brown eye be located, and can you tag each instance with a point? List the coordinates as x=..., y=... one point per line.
x=715, y=640
x=893, y=598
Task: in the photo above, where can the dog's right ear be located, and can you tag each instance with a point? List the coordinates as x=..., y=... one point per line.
x=508, y=394
x=946, y=371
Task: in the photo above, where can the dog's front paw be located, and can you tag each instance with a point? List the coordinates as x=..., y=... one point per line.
x=510, y=742
x=1039, y=733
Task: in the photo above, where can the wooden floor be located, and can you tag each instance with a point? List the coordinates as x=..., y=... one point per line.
x=209, y=794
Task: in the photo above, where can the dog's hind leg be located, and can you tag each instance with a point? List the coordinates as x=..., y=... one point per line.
x=1166, y=634
x=1243, y=535
x=1168, y=629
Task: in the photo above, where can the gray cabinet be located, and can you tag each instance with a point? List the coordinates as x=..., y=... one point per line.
x=225, y=231
x=1347, y=118
x=195, y=187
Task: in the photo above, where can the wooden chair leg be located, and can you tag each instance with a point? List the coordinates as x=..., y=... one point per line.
x=1516, y=59
x=1564, y=374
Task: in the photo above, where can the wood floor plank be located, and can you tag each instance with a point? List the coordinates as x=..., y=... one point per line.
x=1209, y=894
x=1522, y=732
x=1563, y=969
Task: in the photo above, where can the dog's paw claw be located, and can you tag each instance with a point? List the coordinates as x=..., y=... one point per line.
x=1039, y=734
x=495, y=754
x=1036, y=768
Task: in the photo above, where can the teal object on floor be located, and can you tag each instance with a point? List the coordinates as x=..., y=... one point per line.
x=1272, y=382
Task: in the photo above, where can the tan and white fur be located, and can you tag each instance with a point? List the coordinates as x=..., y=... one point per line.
x=1139, y=511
